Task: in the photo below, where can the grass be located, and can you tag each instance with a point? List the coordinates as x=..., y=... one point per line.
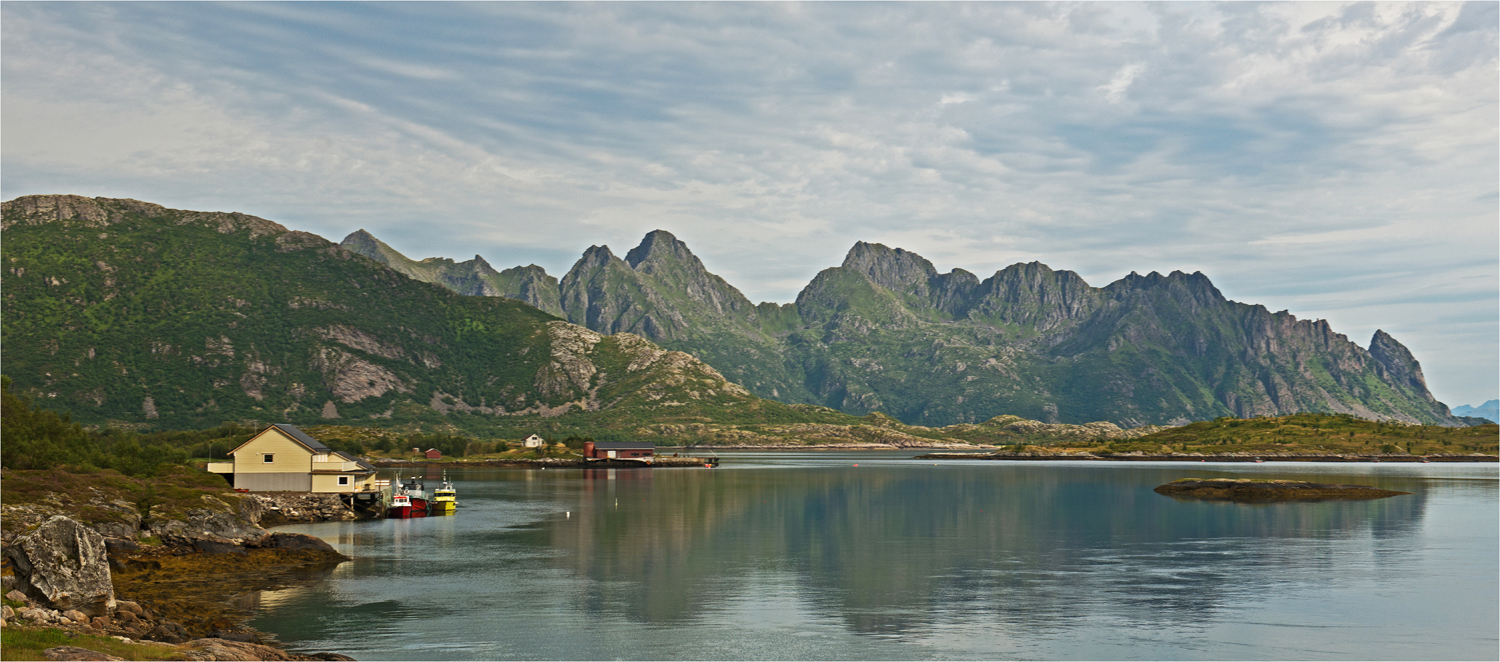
x=1317, y=433
x=20, y=643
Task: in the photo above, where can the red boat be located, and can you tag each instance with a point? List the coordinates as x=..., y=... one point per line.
x=409, y=500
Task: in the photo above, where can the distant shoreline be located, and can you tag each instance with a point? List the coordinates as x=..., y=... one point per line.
x=663, y=460
x=1189, y=457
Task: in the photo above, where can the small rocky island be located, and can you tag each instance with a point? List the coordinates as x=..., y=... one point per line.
x=1258, y=489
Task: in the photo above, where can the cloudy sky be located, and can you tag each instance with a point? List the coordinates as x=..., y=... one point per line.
x=1335, y=160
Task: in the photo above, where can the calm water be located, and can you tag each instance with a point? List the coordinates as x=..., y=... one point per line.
x=806, y=556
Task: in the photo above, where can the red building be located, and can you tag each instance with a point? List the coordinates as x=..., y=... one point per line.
x=434, y=454
x=614, y=450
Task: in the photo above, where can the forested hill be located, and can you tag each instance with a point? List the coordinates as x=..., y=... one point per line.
x=885, y=331
x=128, y=313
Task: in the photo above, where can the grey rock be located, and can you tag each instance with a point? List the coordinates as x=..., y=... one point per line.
x=168, y=632
x=63, y=564
x=75, y=653
x=129, y=606
x=206, y=524
x=286, y=540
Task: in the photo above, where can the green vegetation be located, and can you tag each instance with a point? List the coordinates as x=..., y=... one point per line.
x=24, y=643
x=40, y=439
x=1318, y=433
x=178, y=320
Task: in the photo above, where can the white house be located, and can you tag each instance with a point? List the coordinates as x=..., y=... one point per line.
x=534, y=441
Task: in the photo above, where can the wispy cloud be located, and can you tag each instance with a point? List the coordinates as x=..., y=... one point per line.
x=1304, y=155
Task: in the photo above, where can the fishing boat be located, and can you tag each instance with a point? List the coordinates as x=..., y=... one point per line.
x=408, y=500
x=444, y=499
x=400, y=506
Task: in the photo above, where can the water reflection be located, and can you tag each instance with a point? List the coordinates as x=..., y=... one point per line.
x=896, y=560
x=890, y=550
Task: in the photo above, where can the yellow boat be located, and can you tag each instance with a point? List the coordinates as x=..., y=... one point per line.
x=444, y=499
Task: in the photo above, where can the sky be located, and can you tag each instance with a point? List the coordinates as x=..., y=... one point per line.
x=1335, y=160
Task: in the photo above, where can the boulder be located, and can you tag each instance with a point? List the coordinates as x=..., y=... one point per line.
x=169, y=632
x=76, y=616
x=285, y=540
x=63, y=564
x=17, y=596
x=7, y=613
x=125, y=617
x=75, y=653
x=129, y=606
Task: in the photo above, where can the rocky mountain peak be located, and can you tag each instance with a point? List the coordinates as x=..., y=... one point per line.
x=1398, y=362
x=660, y=246
x=895, y=269
x=364, y=243
x=595, y=256
x=481, y=266
x=1195, y=285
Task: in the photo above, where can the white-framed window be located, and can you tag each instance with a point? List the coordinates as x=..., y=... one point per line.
x=343, y=480
x=269, y=458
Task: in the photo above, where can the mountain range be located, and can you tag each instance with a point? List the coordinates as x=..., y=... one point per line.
x=885, y=331
x=1490, y=411
x=126, y=313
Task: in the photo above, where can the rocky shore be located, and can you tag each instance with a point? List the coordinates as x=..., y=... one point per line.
x=1207, y=457
x=84, y=563
x=1251, y=489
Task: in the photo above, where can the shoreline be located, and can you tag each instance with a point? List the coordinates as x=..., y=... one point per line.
x=1023, y=456
x=1227, y=457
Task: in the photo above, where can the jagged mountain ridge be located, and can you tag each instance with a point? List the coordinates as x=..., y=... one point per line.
x=1490, y=411
x=124, y=312
x=885, y=331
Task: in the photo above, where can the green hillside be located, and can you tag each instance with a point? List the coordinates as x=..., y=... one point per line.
x=1321, y=433
x=128, y=314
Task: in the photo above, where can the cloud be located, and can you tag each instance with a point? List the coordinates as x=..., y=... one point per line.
x=1303, y=152
x=1115, y=90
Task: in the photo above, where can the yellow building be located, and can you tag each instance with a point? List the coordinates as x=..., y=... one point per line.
x=282, y=458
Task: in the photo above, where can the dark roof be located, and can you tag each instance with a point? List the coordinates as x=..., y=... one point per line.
x=302, y=437
x=355, y=459
x=621, y=445
x=291, y=431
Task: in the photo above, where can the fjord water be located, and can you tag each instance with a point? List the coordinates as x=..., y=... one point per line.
x=807, y=556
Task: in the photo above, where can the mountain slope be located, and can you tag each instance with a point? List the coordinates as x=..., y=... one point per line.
x=885, y=331
x=129, y=313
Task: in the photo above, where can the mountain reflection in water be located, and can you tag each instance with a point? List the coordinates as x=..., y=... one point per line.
x=808, y=556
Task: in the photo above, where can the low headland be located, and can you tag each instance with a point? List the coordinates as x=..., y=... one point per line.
x=1256, y=489
x=1298, y=437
